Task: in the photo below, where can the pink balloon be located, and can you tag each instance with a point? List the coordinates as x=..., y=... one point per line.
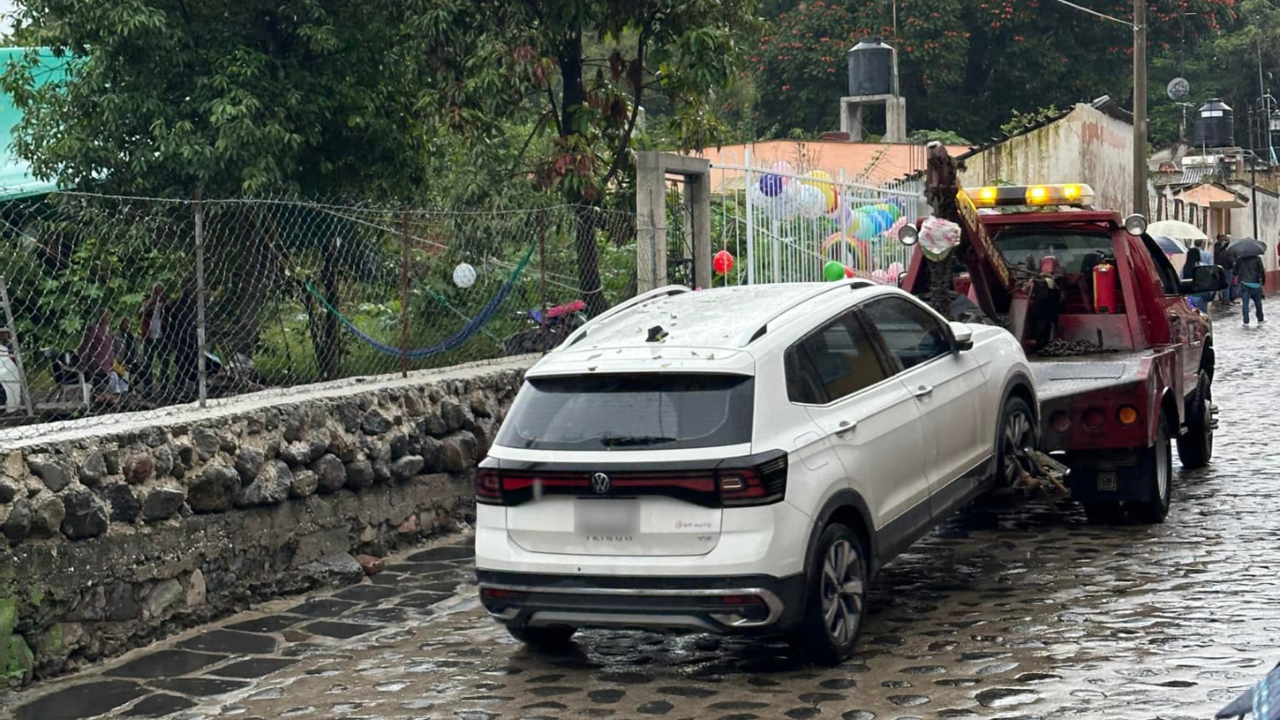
x=782, y=166
x=896, y=269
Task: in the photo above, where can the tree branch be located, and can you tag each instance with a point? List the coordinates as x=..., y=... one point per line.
x=553, y=110
x=527, y=142
x=635, y=105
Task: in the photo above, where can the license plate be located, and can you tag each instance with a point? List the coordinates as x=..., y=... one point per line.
x=606, y=517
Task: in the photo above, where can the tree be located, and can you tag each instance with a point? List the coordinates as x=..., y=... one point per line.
x=578, y=72
x=964, y=65
x=167, y=97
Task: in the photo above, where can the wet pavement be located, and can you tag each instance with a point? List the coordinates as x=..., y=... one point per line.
x=1022, y=612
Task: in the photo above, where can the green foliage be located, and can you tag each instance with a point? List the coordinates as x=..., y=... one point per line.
x=1026, y=120
x=964, y=65
x=576, y=73
x=255, y=96
x=801, y=65
x=61, y=270
x=946, y=137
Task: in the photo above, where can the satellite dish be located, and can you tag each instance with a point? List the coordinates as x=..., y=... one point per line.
x=1179, y=89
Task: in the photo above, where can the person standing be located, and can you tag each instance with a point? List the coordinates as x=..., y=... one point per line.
x=96, y=359
x=124, y=346
x=1251, y=274
x=154, y=346
x=1227, y=295
x=1199, y=302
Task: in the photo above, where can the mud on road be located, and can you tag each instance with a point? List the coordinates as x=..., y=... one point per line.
x=1002, y=613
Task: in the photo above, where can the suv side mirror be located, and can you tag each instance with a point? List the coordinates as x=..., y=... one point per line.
x=963, y=336
x=1205, y=279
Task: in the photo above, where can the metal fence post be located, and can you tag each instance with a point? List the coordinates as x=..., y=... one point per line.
x=542, y=272
x=201, y=365
x=404, y=292
x=17, y=347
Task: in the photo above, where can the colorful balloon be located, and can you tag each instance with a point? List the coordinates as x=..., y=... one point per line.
x=722, y=262
x=848, y=272
x=817, y=179
x=812, y=202
x=771, y=185
x=833, y=270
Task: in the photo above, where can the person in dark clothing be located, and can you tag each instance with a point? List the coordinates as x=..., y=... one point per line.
x=1227, y=295
x=1251, y=274
x=1199, y=302
x=155, y=346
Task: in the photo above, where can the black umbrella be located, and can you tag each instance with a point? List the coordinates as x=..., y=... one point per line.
x=1242, y=248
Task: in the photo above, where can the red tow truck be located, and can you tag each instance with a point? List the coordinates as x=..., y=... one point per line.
x=1123, y=364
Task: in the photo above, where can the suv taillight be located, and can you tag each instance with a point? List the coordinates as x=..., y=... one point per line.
x=488, y=486
x=763, y=484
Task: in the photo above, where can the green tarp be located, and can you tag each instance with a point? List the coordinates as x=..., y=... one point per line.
x=16, y=180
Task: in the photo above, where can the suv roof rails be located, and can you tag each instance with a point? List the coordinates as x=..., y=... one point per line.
x=853, y=284
x=664, y=291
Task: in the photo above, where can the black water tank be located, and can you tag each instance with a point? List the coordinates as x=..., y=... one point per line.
x=870, y=68
x=1215, y=125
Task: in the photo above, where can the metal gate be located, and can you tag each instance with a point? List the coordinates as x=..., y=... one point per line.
x=783, y=223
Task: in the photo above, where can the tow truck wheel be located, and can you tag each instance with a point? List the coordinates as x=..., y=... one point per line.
x=1195, y=449
x=1160, y=460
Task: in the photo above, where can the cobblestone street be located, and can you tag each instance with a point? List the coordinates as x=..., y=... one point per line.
x=1002, y=613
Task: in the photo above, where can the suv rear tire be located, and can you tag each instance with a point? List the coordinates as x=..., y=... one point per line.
x=1017, y=430
x=836, y=604
x=1160, y=460
x=543, y=638
x=1195, y=449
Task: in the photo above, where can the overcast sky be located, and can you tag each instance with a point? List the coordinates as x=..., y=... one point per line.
x=6, y=7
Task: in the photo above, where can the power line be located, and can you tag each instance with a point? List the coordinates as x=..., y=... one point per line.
x=1126, y=23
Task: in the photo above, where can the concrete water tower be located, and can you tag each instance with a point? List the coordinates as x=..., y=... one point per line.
x=873, y=81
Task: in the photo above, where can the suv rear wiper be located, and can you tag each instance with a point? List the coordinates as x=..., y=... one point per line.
x=622, y=440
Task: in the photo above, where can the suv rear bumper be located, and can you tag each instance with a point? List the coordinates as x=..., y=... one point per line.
x=749, y=604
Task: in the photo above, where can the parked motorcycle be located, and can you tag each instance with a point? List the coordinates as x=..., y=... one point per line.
x=561, y=321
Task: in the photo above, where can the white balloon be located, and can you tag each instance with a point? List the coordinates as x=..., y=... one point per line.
x=813, y=202
x=464, y=276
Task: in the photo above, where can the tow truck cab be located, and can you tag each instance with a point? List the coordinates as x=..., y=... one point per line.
x=1123, y=363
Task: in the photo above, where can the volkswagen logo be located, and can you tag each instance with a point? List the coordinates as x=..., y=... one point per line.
x=600, y=483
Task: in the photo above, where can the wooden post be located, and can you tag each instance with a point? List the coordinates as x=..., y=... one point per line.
x=201, y=369
x=404, y=292
x=1140, y=108
x=17, y=347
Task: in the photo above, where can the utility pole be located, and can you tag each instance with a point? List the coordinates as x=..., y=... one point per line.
x=1140, y=107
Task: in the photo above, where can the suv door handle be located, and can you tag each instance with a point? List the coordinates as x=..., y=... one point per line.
x=846, y=427
x=923, y=391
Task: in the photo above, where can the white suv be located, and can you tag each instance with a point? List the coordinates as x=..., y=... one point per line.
x=739, y=460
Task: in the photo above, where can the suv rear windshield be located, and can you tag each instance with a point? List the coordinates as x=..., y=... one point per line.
x=630, y=412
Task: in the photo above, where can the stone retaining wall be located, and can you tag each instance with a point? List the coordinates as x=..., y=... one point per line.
x=109, y=541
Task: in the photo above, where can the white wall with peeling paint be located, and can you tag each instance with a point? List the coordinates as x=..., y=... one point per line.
x=1086, y=145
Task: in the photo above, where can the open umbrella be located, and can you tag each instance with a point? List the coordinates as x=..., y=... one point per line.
x=1176, y=229
x=1174, y=249
x=1170, y=246
x=1242, y=248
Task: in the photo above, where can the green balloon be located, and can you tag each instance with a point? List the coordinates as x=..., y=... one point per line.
x=833, y=271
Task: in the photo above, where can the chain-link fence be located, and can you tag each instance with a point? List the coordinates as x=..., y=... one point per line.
x=110, y=296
